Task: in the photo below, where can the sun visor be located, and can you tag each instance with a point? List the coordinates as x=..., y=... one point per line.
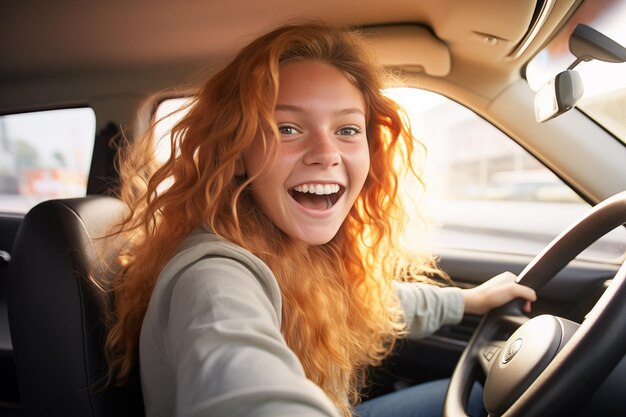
x=409, y=48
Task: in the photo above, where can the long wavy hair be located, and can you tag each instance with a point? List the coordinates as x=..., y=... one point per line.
x=340, y=311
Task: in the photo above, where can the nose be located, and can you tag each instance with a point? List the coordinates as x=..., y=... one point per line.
x=322, y=150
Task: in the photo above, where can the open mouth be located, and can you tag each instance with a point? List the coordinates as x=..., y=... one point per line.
x=317, y=196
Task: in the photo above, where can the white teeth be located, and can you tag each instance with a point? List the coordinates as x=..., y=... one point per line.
x=319, y=189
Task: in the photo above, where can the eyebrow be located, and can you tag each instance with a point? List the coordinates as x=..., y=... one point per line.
x=291, y=107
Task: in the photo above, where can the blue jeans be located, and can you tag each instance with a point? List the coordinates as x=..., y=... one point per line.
x=422, y=400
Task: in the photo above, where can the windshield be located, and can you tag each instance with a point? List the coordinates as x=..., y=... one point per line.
x=604, y=98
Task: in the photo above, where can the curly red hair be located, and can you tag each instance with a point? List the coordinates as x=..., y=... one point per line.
x=341, y=318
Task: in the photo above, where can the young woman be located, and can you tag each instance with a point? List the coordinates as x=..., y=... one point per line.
x=262, y=276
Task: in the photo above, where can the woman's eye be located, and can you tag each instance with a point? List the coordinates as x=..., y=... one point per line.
x=287, y=130
x=349, y=131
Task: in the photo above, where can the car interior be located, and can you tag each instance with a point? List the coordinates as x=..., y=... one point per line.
x=546, y=201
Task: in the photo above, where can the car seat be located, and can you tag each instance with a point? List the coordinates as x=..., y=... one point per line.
x=56, y=312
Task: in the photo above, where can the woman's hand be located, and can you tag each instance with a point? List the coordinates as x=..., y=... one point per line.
x=498, y=291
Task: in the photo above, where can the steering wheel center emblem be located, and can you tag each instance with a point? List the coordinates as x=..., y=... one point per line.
x=511, y=350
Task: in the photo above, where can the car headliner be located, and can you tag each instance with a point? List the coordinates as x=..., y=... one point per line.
x=71, y=36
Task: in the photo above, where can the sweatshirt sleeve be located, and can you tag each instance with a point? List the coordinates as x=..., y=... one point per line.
x=223, y=337
x=428, y=307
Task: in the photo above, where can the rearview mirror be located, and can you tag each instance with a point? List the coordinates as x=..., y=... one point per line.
x=562, y=92
x=559, y=95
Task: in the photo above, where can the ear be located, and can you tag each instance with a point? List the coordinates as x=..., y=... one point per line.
x=240, y=168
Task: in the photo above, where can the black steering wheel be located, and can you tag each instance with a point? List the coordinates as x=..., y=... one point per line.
x=548, y=364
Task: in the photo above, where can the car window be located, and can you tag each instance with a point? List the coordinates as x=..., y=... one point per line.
x=483, y=191
x=168, y=112
x=44, y=155
x=486, y=192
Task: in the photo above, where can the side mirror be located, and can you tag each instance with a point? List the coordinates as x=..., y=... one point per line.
x=562, y=92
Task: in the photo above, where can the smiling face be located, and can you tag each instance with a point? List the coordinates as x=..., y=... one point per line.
x=322, y=160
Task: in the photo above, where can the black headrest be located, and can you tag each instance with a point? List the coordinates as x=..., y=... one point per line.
x=56, y=311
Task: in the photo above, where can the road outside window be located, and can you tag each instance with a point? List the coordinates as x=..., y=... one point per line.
x=44, y=155
x=484, y=191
